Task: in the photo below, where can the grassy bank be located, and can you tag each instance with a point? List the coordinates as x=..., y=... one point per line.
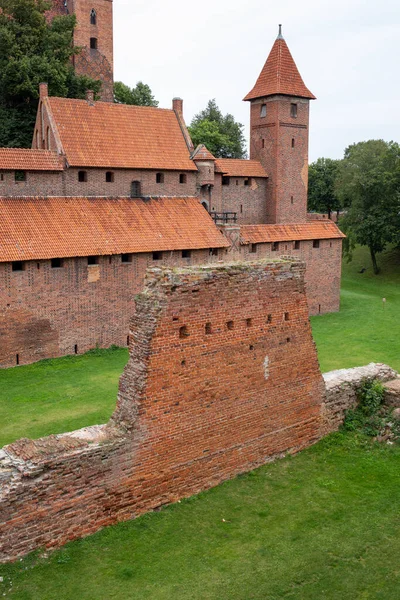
x=321, y=525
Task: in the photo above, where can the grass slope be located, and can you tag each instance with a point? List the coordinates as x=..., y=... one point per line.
x=58, y=395
x=321, y=525
x=364, y=330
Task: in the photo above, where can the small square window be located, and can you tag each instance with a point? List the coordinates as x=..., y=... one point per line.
x=275, y=246
x=225, y=180
x=296, y=245
x=253, y=248
x=126, y=258
x=93, y=260
x=247, y=181
x=186, y=253
x=20, y=176
x=82, y=176
x=18, y=265
x=109, y=177
x=263, y=110
x=56, y=263
x=315, y=244
x=93, y=43
x=159, y=177
x=157, y=255
x=182, y=178
x=293, y=110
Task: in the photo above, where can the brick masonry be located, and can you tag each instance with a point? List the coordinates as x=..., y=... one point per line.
x=181, y=424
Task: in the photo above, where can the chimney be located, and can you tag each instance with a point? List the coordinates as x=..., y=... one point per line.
x=43, y=90
x=177, y=105
x=90, y=97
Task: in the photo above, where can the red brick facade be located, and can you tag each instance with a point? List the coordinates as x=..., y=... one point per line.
x=181, y=424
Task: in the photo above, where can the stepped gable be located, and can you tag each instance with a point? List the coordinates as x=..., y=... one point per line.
x=279, y=75
x=317, y=230
x=202, y=153
x=43, y=228
x=236, y=167
x=107, y=135
x=26, y=159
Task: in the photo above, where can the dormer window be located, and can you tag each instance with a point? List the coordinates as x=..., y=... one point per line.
x=263, y=110
x=93, y=17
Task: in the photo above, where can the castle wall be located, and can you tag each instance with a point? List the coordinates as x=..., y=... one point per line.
x=47, y=312
x=323, y=270
x=223, y=376
x=248, y=201
x=37, y=183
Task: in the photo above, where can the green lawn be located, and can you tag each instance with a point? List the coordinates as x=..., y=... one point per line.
x=323, y=525
x=63, y=394
x=365, y=330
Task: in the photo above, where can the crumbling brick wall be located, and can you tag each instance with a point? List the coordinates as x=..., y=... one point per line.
x=223, y=375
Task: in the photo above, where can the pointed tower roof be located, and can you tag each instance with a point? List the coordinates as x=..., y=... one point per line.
x=202, y=153
x=279, y=75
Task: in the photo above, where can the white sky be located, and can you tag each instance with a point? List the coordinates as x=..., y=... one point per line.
x=347, y=52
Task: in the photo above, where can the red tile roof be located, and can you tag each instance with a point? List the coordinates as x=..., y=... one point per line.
x=317, y=230
x=279, y=75
x=40, y=228
x=25, y=159
x=236, y=167
x=202, y=153
x=104, y=134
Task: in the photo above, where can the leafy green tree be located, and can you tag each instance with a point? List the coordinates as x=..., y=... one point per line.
x=222, y=135
x=368, y=184
x=33, y=50
x=322, y=196
x=141, y=94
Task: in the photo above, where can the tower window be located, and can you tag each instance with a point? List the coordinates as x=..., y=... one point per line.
x=109, y=177
x=20, y=176
x=135, y=189
x=263, y=110
x=82, y=176
x=93, y=17
x=225, y=180
x=182, y=178
x=93, y=43
x=159, y=177
x=293, y=110
x=292, y=142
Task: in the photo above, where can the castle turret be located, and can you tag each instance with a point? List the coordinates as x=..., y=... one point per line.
x=94, y=34
x=279, y=121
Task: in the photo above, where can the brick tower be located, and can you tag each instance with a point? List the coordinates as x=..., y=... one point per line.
x=279, y=121
x=94, y=33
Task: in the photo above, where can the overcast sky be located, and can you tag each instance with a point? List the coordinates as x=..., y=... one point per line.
x=347, y=52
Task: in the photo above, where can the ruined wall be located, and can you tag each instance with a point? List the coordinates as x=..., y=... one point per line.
x=47, y=312
x=341, y=391
x=223, y=375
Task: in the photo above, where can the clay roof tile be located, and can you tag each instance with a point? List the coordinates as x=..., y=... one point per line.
x=26, y=159
x=236, y=167
x=316, y=230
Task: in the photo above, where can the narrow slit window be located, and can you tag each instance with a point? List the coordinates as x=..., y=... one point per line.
x=93, y=43
x=269, y=318
x=263, y=143
x=286, y=316
x=109, y=177
x=291, y=200
x=208, y=328
x=1, y=176
x=292, y=142
x=182, y=178
x=93, y=17
x=76, y=349
x=296, y=245
x=17, y=359
x=249, y=322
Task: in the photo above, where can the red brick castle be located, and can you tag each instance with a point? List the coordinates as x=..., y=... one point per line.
x=108, y=189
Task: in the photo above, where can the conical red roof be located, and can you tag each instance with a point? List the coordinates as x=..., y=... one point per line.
x=279, y=75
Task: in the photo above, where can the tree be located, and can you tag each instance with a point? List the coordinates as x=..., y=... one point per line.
x=33, y=50
x=222, y=135
x=322, y=195
x=369, y=186
x=141, y=94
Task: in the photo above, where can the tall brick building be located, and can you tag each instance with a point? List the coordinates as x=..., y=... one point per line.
x=108, y=189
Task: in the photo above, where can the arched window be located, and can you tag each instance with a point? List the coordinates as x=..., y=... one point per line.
x=135, y=189
x=93, y=17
